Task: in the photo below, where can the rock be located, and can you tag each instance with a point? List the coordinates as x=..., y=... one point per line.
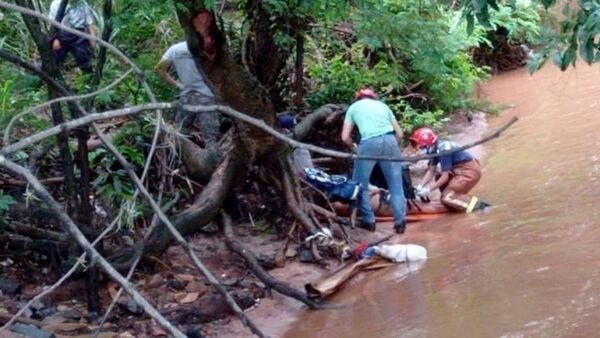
x=176, y=284
x=9, y=286
x=44, y=313
x=194, y=332
x=132, y=307
x=56, y=318
x=127, y=240
x=155, y=281
x=306, y=255
x=229, y=282
x=245, y=300
x=31, y=331
x=267, y=261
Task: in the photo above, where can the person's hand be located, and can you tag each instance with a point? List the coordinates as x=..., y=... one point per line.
x=92, y=43
x=179, y=85
x=422, y=191
x=354, y=147
x=56, y=44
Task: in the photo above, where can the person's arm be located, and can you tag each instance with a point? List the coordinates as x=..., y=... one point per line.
x=397, y=129
x=162, y=69
x=444, y=178
x=429, y=174
x=91, y=30
x=52, y=15
x=346, y=131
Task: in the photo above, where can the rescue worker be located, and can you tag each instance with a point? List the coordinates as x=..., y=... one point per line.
x=78, y=15
x=380, y=134
x=460, y=172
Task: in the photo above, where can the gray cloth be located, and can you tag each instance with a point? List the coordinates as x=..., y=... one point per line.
x=209, y=120
x=78, y=14
x=302, y=159
x=179, y=55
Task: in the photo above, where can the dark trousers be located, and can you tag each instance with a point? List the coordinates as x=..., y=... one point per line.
x=79, y=47
x=209, y=120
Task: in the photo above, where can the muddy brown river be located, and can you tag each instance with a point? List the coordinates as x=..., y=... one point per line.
x=529, y=266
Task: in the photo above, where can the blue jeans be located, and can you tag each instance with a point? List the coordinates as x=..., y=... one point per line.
x=382, y=146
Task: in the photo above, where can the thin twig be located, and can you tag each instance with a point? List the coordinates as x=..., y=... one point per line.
x=86, y=245
x=60, y=99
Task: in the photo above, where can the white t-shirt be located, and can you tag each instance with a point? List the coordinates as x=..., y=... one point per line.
x=180, y=56
x=77, y=15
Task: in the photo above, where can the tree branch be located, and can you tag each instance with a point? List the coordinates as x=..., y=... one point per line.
x=87, y=247
x=238, y=115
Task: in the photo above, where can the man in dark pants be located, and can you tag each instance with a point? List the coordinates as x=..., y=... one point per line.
x=78, y=15
x=194, y=90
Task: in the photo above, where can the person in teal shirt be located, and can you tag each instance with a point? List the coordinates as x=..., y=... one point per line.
x=380, y=133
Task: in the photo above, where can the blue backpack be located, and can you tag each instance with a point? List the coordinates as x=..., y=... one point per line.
x=336, y=187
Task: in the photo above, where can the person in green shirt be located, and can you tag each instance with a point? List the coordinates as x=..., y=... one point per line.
x=380, y=133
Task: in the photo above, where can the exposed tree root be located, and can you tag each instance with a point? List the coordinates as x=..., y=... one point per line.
x=246, y=253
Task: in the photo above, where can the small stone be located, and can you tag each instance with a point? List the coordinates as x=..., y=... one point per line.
x=128, y=241
x=132, y=307
x=176, y=284
x=31, y=331
x=194, y=332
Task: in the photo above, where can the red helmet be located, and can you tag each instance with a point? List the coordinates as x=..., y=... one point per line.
x=365, y=92
x=423, y=137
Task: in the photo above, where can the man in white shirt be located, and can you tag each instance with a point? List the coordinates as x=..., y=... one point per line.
x=193, y=89
x=78, y=15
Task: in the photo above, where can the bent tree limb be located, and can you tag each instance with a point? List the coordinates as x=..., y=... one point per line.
x=30, y=140
x=246, y=253
x=74, y=231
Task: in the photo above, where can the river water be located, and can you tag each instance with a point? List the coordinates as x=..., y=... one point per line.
x=529, y=266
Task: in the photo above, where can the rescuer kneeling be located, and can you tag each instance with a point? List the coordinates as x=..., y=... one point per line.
x=460, y=172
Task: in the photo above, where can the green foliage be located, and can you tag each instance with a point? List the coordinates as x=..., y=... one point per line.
x=521, y=19
x=337, y=79
x=5, y=202
x=578, y=29
x=112, y=183
x=401, y=43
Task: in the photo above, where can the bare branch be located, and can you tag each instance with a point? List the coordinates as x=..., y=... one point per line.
x=86, y=245
x=61, y=99
x=238, y=115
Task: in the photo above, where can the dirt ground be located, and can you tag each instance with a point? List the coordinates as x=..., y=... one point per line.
x=173, y=285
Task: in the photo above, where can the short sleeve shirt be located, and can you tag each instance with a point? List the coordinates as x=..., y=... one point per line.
x=78, y=14
x=180, y=56
x=372, y=117
x=447, y=162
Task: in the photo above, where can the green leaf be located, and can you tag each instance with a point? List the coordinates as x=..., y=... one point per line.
x=493, y=4
x=587, y=50
x=569, y=57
